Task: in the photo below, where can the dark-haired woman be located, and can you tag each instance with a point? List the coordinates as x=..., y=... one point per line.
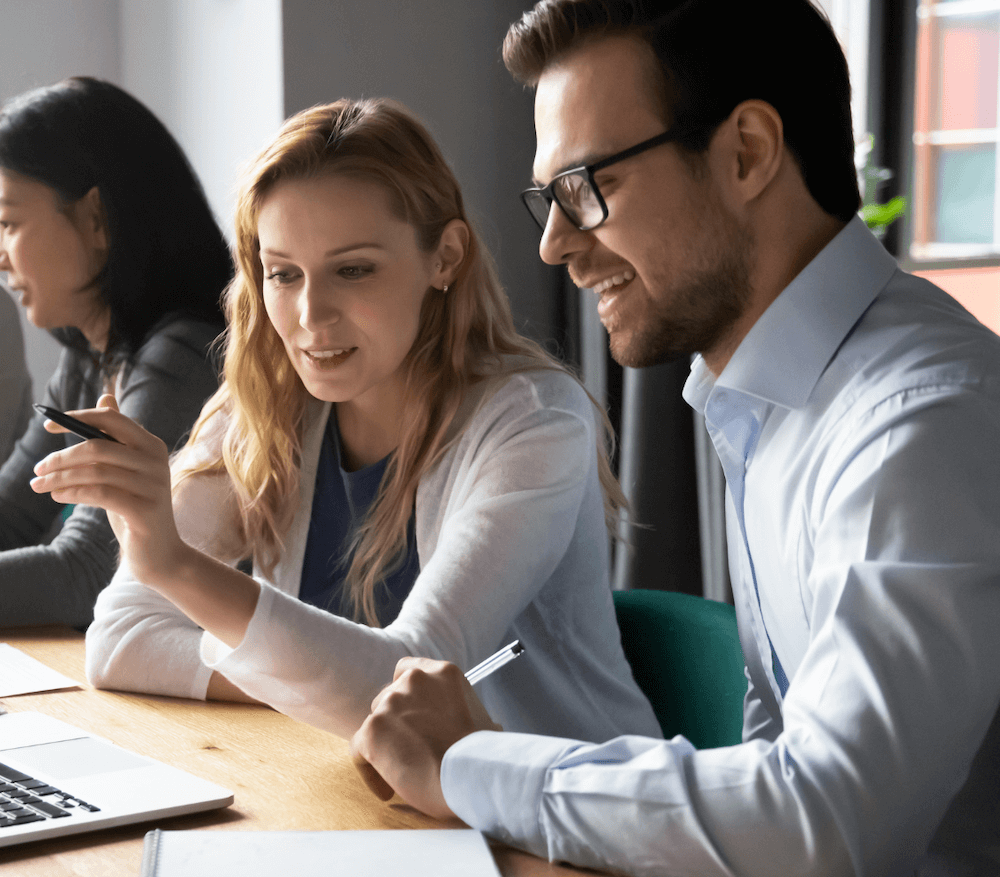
x=106, y=237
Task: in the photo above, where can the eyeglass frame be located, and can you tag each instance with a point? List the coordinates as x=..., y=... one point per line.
x=548, y=192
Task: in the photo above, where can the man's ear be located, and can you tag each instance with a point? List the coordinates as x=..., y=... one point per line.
x=90, y=219
x=451, y=251
x=754, y=146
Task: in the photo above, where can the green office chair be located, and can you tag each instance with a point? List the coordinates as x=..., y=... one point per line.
x=686, y=657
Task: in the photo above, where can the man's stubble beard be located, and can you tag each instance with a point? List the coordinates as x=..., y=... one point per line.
x=697, y=313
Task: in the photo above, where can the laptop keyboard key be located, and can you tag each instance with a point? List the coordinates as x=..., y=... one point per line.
x=26, y=818
x=31, y=784
x=12, y=775
x=50, y=809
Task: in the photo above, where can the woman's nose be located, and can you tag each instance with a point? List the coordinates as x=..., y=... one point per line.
x=317, y=307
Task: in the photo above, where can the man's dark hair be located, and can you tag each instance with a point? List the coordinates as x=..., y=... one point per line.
x=166, y=254
x=713, y=55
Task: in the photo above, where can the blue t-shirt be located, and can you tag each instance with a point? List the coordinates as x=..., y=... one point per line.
x=340, y=504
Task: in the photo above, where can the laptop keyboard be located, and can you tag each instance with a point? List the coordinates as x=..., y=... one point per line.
x=24, y=799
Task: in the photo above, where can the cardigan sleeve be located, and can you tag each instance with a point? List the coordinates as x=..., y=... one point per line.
x=141, y=641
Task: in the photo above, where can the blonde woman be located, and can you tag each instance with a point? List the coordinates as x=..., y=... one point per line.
x=408, y=475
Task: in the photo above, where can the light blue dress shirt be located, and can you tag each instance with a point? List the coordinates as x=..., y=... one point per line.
x=858, y=424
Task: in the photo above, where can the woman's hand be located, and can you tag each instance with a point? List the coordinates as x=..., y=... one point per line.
x=131, y=481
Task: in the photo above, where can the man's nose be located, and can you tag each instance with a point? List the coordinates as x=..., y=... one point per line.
x=561, y=239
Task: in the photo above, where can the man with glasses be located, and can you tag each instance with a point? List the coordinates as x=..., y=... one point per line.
x=694, y=168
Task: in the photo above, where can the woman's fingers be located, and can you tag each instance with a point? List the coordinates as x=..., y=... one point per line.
x=127, y=479
x=113, y=477
x=107, y=400
x=103, y=456
x=106, y=417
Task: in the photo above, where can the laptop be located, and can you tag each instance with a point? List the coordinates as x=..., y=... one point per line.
x=56, y=779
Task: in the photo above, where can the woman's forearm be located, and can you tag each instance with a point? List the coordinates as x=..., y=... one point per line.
x=213, y=595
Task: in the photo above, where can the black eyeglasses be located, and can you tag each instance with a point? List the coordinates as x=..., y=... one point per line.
x=576, y=191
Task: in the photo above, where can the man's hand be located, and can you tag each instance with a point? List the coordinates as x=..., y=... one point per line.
x=428, y=707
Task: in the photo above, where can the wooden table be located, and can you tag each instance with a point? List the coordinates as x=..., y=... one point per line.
x=286, y=775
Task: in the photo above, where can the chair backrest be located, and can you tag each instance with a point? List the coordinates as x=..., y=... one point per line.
x=686, y=657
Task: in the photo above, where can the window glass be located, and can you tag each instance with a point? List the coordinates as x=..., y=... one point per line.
x=965, y=186
x=966, y=72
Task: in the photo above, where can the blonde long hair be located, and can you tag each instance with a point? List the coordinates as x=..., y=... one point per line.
x=464, y=337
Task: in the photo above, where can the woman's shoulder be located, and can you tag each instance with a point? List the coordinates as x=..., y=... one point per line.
x=178, y=337
x=524, y=395
x=526, y=385
x=76, y=381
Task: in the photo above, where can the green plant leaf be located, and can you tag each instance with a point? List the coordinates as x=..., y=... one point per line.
x=881, y=215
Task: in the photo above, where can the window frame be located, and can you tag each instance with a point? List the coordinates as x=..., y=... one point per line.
x=934, y=253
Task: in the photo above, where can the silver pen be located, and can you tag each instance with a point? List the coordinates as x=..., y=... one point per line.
x=494, y=662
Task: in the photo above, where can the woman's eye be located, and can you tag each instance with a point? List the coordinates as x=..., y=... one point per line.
x=355, y=272
x=278, y=277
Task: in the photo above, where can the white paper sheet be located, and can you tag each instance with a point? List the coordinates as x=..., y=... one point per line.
x=22, y=674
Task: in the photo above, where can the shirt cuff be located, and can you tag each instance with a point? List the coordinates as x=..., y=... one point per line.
x=493, y=781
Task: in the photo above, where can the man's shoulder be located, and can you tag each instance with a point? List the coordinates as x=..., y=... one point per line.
x=914, y=347
x=915, y=335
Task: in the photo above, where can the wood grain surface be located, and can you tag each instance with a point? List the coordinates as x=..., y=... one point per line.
x=285, y=775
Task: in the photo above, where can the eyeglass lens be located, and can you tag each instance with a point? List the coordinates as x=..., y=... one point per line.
x=574, y=194
x=538, y=205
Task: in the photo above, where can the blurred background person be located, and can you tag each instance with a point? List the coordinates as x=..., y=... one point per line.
x=106, y=237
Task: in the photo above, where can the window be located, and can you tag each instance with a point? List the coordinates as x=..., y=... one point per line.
x=955, y=221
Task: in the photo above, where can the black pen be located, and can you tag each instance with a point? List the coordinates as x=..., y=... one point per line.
x=494, y=662
x=77, y=427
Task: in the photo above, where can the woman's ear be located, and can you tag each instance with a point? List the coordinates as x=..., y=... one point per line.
x=450, y=253
x=90, y=220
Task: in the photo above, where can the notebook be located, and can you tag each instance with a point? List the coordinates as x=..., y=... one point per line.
x=427, y=853
x=56, y=779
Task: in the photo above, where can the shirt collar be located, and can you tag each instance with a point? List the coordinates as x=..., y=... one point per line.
x=787, y=349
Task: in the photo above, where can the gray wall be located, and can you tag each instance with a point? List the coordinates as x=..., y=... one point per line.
x=211, y=70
